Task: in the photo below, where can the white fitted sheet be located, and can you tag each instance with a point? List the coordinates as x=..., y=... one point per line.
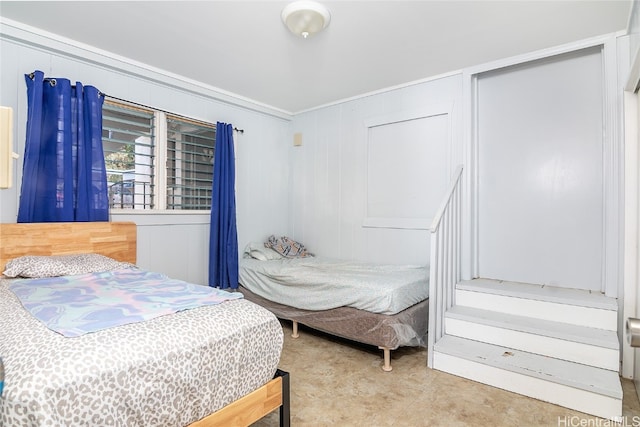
x=317, y=283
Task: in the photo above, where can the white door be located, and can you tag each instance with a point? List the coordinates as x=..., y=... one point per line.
x=540, y=171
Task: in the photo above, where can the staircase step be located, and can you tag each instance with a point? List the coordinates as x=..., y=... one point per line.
x=576, y=386
x=590, y=346
x=573, y=306
x=547, y=293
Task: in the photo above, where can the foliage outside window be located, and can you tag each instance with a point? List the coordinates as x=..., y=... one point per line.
x=137, y=140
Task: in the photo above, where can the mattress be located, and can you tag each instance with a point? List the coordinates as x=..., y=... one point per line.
x=168, y=371
x=317, y=283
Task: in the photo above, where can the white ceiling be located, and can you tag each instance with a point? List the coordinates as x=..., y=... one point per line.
x=243, y=47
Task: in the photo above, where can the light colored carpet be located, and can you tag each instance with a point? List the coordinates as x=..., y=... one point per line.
x=339, y=383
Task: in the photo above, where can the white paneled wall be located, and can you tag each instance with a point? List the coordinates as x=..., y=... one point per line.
x=329, y=172
x=541, y=179
x=174, y=243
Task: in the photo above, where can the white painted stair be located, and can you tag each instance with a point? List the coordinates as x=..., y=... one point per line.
x=553, y=344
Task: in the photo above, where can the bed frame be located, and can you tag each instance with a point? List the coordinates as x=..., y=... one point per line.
x=379, y=330
x=118, y=240
x=113, y=239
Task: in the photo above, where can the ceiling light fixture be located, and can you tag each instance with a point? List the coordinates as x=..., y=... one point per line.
x=305, y=18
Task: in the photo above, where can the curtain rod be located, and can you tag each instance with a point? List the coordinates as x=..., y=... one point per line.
x=52, y=82
x=153, y=108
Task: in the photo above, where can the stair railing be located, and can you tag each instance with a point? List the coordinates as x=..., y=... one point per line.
x=445, y=264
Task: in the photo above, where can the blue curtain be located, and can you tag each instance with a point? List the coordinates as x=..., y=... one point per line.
x=223, y=238
x=64, y=176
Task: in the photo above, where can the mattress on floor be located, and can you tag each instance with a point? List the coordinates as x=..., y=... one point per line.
x=168, y=371
x=317, y=283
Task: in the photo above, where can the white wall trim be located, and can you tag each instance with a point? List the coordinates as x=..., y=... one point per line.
x=631, y=18
x=631, y=212
x=23, y=34
x=613, y=174
x=470, y=266
x=631, y=226
x=634, y=73
x=403, y=116
x=163, y=217
x=397, y=223
x=381, y=91
x=541, y=54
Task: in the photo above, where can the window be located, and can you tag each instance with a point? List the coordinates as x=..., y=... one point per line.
x=127, y=141
x=137, y=140
x=190, y=150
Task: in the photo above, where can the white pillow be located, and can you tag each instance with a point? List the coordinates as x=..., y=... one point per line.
x=258, y=251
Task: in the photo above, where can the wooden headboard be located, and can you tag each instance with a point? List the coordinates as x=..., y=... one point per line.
x=113, y=239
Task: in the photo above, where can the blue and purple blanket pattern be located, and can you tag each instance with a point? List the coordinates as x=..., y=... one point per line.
x=76, y=305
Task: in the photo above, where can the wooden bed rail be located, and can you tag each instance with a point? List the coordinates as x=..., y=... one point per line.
x=252, y=407
x=445, y=264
